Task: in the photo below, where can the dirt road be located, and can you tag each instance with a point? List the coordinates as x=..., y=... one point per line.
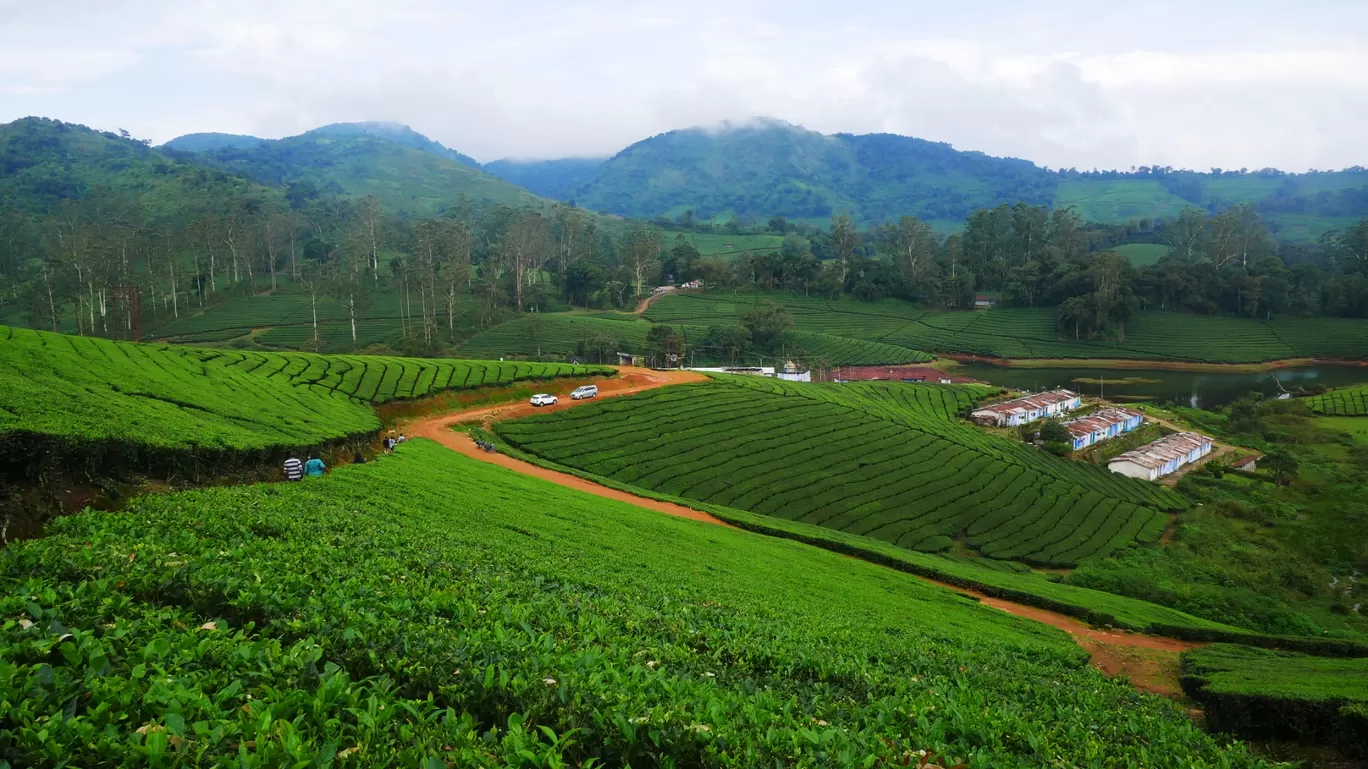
x=1149, y=661
x=630, y=380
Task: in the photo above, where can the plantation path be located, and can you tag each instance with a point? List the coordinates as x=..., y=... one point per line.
x=630, y=380
x=1151, y=662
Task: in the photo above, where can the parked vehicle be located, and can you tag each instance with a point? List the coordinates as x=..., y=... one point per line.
x=587, y=391
x=542, y=399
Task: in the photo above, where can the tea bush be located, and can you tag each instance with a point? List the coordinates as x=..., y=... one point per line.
x=431, y=610
x=885, y=460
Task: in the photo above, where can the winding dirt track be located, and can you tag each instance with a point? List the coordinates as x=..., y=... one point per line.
x=1149, y=661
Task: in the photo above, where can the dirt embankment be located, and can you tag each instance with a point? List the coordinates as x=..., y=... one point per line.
x=1149, y=661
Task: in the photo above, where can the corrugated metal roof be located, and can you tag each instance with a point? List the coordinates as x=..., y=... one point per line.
x=1030, y=402
x=1101, y=419
x=1164, y=450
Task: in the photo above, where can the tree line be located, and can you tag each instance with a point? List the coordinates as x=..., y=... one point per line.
x=77, y=266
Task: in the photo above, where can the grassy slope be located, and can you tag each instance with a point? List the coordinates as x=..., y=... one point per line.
x=73, y=394
x=407, y=180
x=1142, y=254
x=1032, y=333
x=1346, y=401
x=1258, y=693
x=43, y=162
x=428, y=605
x=888, y=461
x=1119, y=201
x=566, y=334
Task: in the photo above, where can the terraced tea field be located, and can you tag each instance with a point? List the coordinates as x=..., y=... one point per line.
x=1258, y=692
x=92, y=399
x=1033, y=333
x=1344, y=402
x=428, y=609
x=883, y=460
x=289, y=318
x=563, y=334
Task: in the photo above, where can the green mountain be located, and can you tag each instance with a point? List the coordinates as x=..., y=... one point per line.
x=765, y=167
x=397, y=133
x=44, y=161
x=410, y=173
x=556, y=179
x=206, y=142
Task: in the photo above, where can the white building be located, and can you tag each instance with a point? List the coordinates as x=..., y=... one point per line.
x=1157, y=459
x=1102, y=424
x=767, y=371
x=1029, y=408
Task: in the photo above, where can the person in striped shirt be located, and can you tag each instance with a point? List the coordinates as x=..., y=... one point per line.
x=294, y=469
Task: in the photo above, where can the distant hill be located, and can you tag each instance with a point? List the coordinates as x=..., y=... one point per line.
x=762, y=168
x=397, y=133
x=205, y=142
x=43, y=162
x=410, y=173
x=556, y=179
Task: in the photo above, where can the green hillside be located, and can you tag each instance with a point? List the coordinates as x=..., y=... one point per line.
x=758, y=169
x=581, y=334
x=1347, y=402
x=555, y=179
x=44, y=162
x=1142, y=254
x=1256, y=692
x=1034, y=333
x=886, y=461
x=765, y=168
x=431, y=608
x=407, y=179
x=85, y=402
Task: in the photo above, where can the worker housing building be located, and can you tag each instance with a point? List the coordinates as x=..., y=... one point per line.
x=1101, y=425
x=1027, y=409
x=1155, y=460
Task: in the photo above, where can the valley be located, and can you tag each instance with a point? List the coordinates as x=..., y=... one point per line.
x=777, y=536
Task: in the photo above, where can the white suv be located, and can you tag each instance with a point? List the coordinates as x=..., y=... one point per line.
x=542, y=399
x=587, y=391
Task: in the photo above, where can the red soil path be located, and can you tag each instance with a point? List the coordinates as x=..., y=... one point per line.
x=1149, y=661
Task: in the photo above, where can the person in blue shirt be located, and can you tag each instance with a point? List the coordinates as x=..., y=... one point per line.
x=314, y=468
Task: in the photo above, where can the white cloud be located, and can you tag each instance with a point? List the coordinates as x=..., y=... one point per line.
x=1061, y=82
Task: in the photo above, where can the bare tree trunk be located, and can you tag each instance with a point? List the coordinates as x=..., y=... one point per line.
x=52, y=303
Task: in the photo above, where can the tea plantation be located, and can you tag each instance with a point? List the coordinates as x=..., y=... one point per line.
x=92, y=402
x=1344, y=402
x=885, y=461
x=431, y=610
x=1257, y=692
x=1033, y=333
x=570, y=334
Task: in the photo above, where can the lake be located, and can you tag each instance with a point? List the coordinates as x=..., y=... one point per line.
x=1186, y=388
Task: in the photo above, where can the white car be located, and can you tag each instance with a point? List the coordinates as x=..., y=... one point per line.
x=542, y=399
x=587, y=391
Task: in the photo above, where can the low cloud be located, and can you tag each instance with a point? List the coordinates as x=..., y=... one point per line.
x=1060, y=83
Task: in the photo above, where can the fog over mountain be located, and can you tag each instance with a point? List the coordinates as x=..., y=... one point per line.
x=1062, y=83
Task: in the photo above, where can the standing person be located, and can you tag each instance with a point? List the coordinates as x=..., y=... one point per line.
x=294, y=469
x=314, y=467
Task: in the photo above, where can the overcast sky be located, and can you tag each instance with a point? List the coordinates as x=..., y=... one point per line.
x=1198, y=83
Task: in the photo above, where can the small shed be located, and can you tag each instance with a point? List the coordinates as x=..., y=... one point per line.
x=1248, y=464
x=986, y=300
